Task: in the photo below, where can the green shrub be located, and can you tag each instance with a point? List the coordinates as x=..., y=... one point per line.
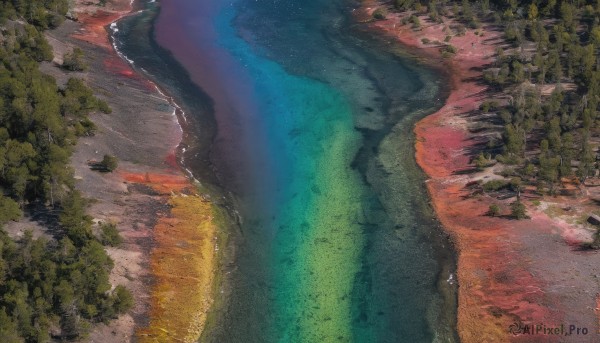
x=518, y=210
x=488, y=106
x=494, y=210
x=86, y=127
x=474, y=24
x=481, y=162
x=109, y=163
x=73, y=60
x=109, y=235
x=415, y=21
x=9, y=210
x=103, y=107
x=495, y=185
x=450, y=48
x=508, y=172
x=380, y=13
x=448, y=51
x=122, y=299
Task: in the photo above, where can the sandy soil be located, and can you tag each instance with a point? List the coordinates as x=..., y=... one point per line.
x=142, y=132
x=525, y=272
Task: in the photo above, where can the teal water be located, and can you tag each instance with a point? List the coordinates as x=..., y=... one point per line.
x=310, y=144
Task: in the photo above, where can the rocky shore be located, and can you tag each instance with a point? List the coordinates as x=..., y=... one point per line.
x=168, y=256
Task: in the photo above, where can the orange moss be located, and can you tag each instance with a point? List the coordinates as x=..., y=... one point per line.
x=183, y=264
x=182, y=261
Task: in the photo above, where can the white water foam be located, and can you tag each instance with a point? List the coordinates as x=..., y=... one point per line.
x=114, y=30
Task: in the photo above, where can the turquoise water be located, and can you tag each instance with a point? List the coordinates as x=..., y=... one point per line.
x=316, y=239
x=311, y=149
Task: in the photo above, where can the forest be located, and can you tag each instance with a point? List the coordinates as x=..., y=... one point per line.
x=544, y=85
x=55, y=286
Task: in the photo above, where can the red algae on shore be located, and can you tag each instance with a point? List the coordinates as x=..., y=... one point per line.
x=95, y=19
x=501, y=262
x=496, y=286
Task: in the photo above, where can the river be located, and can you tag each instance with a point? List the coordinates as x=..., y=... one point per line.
x=299, y=123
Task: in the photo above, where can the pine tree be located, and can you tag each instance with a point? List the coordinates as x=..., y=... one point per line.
x=518, y=210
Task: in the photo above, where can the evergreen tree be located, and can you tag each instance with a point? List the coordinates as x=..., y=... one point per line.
x=518, y=210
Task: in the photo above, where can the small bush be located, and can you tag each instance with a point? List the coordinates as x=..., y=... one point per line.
x=85, y=127
x=448, y=51
x=518, y=210
x=508, y=172
x=450, y=48
x=488, y=106
x=474, y=24
x=494, y=210
x=103, y=107
x=73, y=60
x=415, y=21
x=497, y=18
x=109, y=163
x=425, y=41
x=380, y=13
x=448, y=38
x=495, y=185
x=529, y=170
x=481, y=162
x=109, y=235
x=122, y=299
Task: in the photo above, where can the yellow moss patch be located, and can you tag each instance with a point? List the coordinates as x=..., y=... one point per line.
x=183, y=264
x=554, y=211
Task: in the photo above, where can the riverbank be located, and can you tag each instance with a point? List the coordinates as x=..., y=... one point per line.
x=168, y=256
x=525, y=272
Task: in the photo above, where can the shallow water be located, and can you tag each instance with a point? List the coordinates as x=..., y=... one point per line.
x=303, y=125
